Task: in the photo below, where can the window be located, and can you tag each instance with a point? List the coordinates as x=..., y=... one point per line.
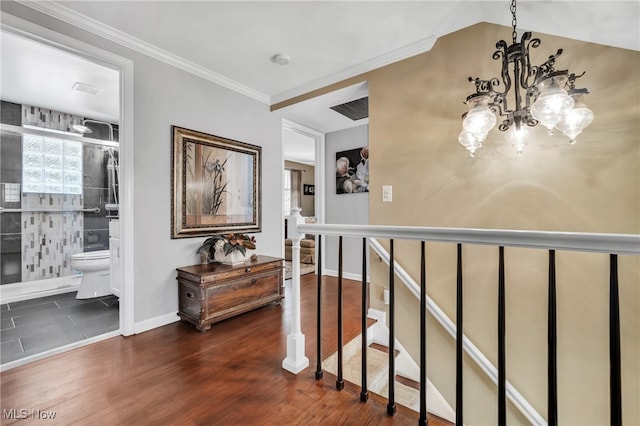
x=287, y=192
x=292, y=190
x=51, y=166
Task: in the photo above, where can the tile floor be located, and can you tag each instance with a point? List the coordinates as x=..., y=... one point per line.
x=33, y=326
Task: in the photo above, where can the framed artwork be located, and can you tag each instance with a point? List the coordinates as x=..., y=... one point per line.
x=352, y=171
x=216, y=186
x=308, y=189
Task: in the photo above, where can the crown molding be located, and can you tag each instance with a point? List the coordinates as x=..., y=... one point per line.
x=404, y=52
x=65, y=14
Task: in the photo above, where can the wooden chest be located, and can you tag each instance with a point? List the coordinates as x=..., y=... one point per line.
x=213, y=292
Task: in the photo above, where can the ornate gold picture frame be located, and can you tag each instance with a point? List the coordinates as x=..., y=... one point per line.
x=216, y=185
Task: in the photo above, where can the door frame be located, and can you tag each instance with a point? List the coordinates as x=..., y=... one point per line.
x=124, y=66
x=319, y=170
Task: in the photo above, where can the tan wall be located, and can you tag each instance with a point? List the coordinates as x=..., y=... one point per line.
x=308, y=177
x=594, y=186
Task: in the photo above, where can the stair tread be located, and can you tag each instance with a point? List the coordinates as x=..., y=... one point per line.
x=406, y=391
x=408, y=382
x=433, y=419
x=377, y=372
x=382, y=348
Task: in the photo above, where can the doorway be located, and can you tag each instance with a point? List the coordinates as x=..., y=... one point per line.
x=303, y=183
x=118, y=159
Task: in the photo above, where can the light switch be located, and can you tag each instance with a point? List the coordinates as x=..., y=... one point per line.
x=387, y=193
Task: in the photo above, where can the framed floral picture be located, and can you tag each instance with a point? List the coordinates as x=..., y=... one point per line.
x=216, y=186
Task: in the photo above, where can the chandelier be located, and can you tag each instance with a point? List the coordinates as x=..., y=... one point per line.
x=541, y=94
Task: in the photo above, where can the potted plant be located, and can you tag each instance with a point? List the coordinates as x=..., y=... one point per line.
x=228, y=248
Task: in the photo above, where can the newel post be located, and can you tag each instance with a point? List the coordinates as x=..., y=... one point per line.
x=296, y=361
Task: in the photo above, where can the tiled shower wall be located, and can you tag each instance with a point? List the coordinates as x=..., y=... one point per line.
x=49, y=238
x=10, y=174
x=38, y=245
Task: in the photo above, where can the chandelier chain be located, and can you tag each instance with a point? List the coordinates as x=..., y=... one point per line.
x=514, y=21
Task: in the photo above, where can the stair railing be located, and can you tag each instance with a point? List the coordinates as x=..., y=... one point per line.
x=613, y=244
x=448, y=325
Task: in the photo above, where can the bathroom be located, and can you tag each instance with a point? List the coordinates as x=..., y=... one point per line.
x=58, y=208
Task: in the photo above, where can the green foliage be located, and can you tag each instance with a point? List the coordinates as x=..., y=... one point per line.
x=237, y=242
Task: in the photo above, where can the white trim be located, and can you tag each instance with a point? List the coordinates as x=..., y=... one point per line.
x=378, y=315
x=126, y=210
x=26, y=290
x=114, y=35
x=319, y=170
x=98, y=28
x=572, y=241
x=472, y=350
x=346, y=275
x=27, y=29
x=150, y=324
x=55, y=351
x=296, y=361
x=378, y=332
x=320, y=189
x=124, y=66
x=407, y=51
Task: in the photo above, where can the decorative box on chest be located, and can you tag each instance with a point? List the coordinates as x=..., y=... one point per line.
x=213, y=292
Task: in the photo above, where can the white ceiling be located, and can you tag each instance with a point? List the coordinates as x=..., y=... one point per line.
x=232, y=42
x=36, y=74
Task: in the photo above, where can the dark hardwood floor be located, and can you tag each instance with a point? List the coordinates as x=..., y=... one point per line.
x=175, y=375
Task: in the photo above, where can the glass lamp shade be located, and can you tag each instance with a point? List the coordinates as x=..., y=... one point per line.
x=479, y=119
x=574, y=122
x=472, y=142
x=518, y=138
x=553, y=102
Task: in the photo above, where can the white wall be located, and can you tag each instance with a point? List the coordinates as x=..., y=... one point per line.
x=165, y=96
x=344, y=208
x=191, y=102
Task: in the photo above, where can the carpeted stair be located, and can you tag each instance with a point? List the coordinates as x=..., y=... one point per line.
x=377, y=372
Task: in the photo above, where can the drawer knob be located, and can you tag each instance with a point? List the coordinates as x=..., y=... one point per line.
x=247, y=270
x=189, y=295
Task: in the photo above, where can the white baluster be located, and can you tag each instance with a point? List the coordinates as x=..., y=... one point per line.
x=296, y=361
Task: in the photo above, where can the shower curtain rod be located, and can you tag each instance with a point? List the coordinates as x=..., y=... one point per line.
x=5, y=210
x=19, y=130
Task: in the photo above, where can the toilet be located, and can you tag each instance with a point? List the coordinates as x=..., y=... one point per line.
x=94, y=266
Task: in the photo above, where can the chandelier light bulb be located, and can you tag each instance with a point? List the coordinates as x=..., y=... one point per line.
x=518, y=138
x=553, y=103
x=472, y=142
x=576, y=120
x=479, y=120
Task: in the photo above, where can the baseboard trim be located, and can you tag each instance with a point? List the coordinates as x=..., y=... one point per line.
x=347, y=275
x=150, y=324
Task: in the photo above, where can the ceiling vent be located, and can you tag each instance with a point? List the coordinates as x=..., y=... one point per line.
x=355, y=110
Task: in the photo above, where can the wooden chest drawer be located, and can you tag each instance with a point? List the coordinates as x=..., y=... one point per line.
x=214, y=292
